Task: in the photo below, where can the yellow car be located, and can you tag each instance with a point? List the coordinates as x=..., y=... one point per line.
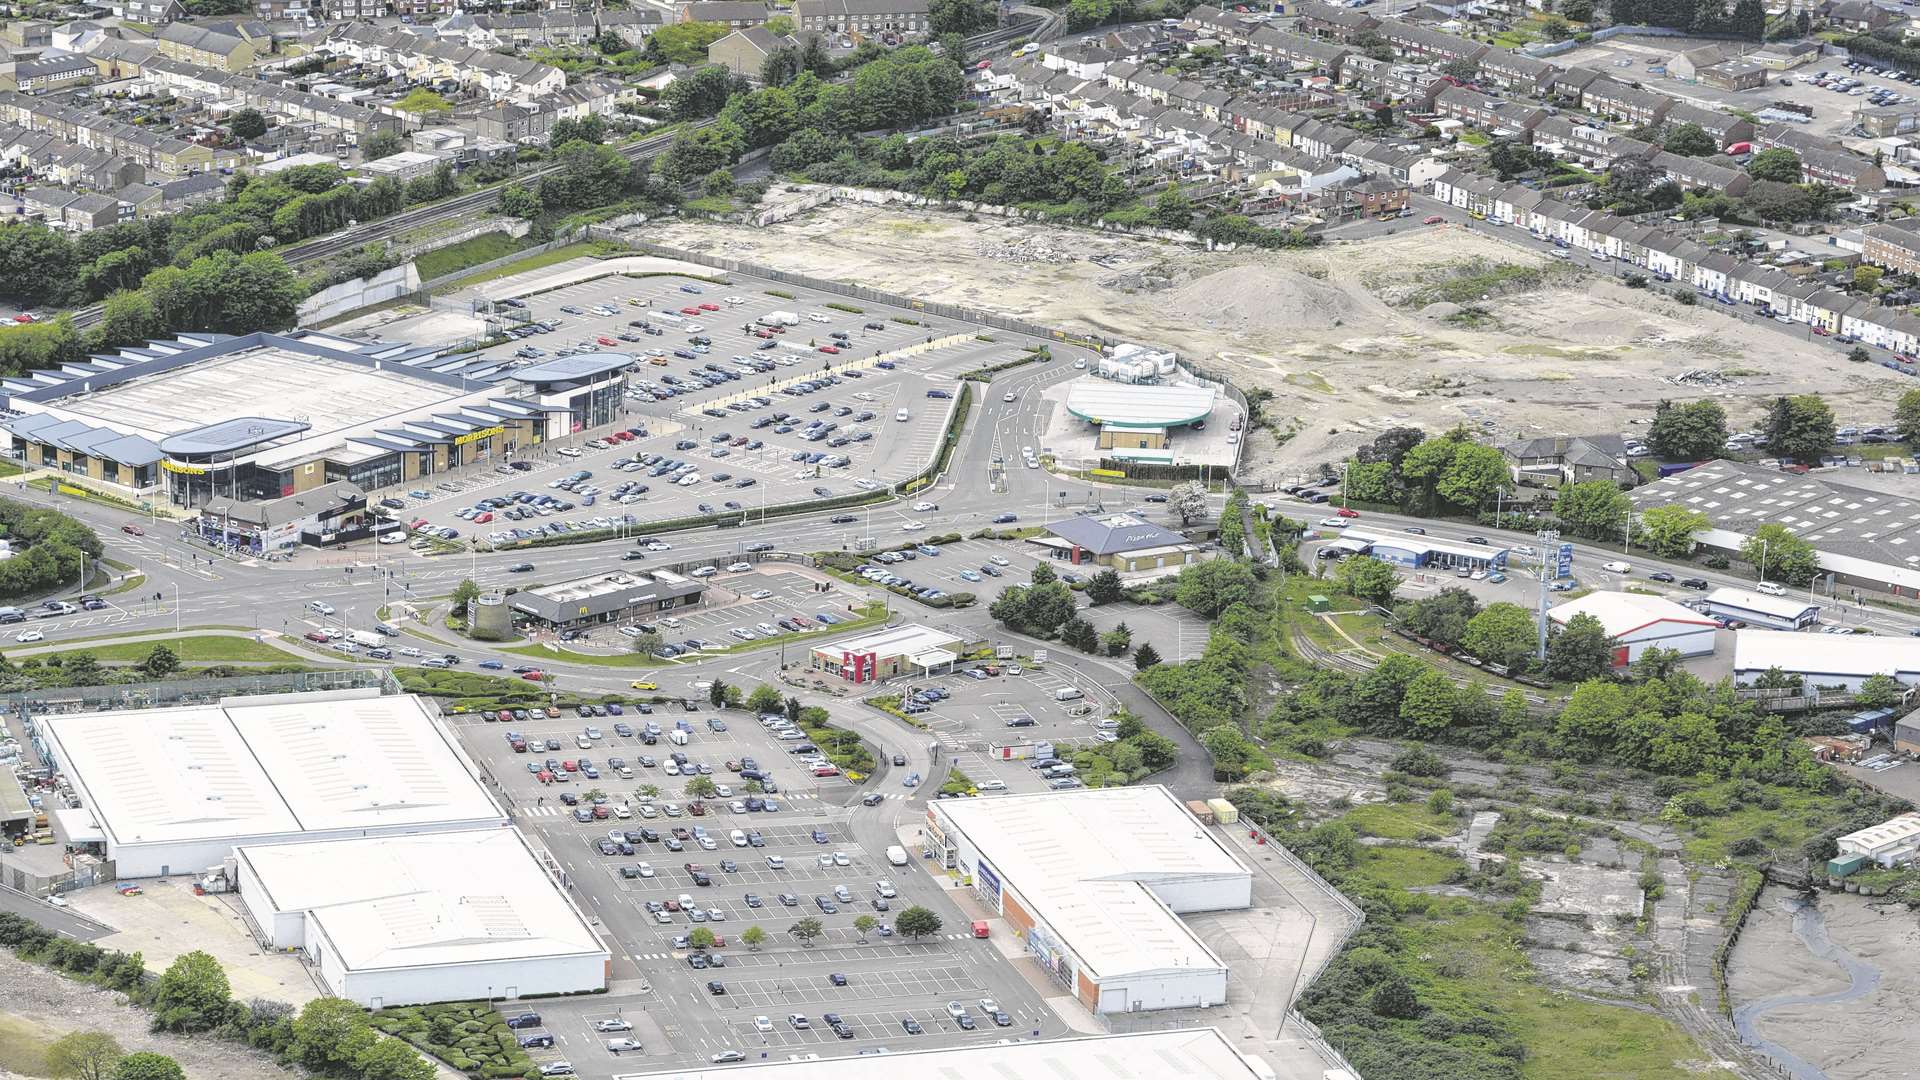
x=642, y=684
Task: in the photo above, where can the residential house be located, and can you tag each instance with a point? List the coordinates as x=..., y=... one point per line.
x=1793, y=138
x=1702, y=174
x=1894, y=246
x=863, y=17
x=151, y=12
x=734, y=13
x=140, y=201
x=1618, y=101
x=1842, y=168
x=524, y=29
x=176, y=195
x=1571, y=84
x=1859, y=16
x=1882, y=121
x=1421, y=43
x=48, y=72
x=205, y=46
x=1331, y=21
x=744, y=51
x=1319, y=139
x=1300, y=52
x=1517, y=72
x=1570, y=459
x=1725, y=127
x=345, y=10
x=1687, y=65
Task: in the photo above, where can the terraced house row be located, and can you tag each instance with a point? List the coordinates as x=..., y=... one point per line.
x=1716, y=275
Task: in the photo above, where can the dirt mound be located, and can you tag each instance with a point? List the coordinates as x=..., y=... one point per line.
x=1264, y=299
x=1440, y=310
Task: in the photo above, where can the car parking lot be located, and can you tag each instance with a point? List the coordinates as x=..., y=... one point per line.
x=711, y=415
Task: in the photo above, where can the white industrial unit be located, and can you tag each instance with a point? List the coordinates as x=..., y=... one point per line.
x=1759, y=609
x=1894, y=842
x=175, y=790
x=1094, y=881
x=407, y=920
x=1825, y=660
x=1637, y=622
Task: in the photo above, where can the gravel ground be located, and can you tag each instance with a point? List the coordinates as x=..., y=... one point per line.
x=61, y=1004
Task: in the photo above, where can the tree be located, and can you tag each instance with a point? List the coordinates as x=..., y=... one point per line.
x=917, y=922
x=752, y=937
x=700, y=938
x=392, y=1059
x=382, y=144
x=247, y=124
x=191, y=995
x=126, y=318
x=1117, y=641
x=701, y=94
x=83, y=669
x=718, y=184
x=463, y=594
x=1906, y=417
x=146, y=1065
x=1105, y=587
x=1580, y=651
x=701, y=787
x=764, y=117
x=1668, y=531
x=684, y=43
x=1371, y=482
x=1427, y=707
x=1879, y=691
x=1800, y=427
x=1232, y=753
x=1503, y=634
x=646, y=643
x=805, y=931
x=780, y=25
x=1867, y=278
x=1211, y=587
x=1395, y=998
x=1778, y=164
x=1364, y=577
x=1461, y=68
x=717, y=693
x=1511, y=157
x=159, y=663
x=1690, y=140
x=83, y=1055
x=422, y=101
x=587, y=129
x=958, y=16
x=793, y=709
x=1442, y=617
x=765, y=699
x=1078, y=633
x=1593, y=508
x=1781, y=556
x=330, y=1034
x=518, y=202
x=1145, y=656
x=1189, y=500
x=1475, y=473
x=863, y=925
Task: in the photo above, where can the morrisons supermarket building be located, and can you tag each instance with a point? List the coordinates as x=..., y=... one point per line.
x=259, y=417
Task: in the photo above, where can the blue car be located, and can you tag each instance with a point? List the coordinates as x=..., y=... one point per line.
x=491, y=665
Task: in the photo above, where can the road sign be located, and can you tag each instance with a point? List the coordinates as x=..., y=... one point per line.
x=1564, y=565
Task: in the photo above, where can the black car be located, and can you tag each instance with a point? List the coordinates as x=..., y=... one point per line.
x=524, y=1020
x=1415, y=530
x=520, y=568
x=1693, y=583
x=1476, y=540
x=716, y=988
x=1660, y=575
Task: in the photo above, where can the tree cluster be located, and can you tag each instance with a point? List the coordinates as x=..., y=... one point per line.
x=1403, y=467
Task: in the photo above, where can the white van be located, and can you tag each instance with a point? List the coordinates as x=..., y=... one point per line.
x=677, y=737
x=1771, y=588
x=897, y=855
x=903, y=416
x=1068, y=693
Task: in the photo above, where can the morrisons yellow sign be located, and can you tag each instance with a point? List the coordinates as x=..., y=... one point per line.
x=476, y=436
x=184, y=470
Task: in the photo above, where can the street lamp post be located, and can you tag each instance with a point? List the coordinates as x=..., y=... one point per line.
x=1549, y=539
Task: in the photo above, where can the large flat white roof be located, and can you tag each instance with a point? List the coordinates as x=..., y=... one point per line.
x=1192, y=1054
x=267, y=766
x=906, y=640
x=1624, y=612
x=1083, y=859
x=1784, y=607
x=1826, y=654
x=425, y=899
x=1103, y=401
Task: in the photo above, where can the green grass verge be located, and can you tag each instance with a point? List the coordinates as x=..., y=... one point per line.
x=472, y=252
x=191, y=649
x=1401, y=821
x=23, y=1045
x=875, y=612
x=592, y=249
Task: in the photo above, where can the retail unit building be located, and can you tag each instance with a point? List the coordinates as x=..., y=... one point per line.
x=1186, y=1054
x=1120, y=541
x=609, y=597
x=888, y=653
x=1422, y=552
x=1094, y=881
x=1637, y=622
x=1759, y=609
x=1134, y=420
x=175, y=790
x=405, y=920
x=1825, y=660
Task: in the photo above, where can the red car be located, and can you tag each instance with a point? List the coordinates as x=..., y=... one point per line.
x=605, y=340
x=709, y=307
x=689, y=311
x=533, y=676
x=482, y=519
x=570, y=765
x=1434, y=220
x=132, y=530
x=315, y=635
x=505, y=715
x=763, y=333
x=601, y=813
x=545, y=777
x=1344, y=512
x=829, y=349
x=23, y=317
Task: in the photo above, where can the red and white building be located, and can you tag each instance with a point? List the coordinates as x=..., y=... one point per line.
x=888, y=653
x=1637, y=622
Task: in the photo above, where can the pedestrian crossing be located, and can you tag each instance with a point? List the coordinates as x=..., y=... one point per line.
x=652, y=956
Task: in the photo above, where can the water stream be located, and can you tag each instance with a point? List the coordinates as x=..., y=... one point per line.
x=1810, y=926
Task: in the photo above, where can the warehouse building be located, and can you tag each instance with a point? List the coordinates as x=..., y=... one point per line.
x=1825, y=661
x=263, y=416
x=1894, y=842
x=1759, y=609
x=889, y=653
x=411, y=920
x=1135, y=420
x=607, y=598
x=1637, y=622
x=1120, y=541
x=1094, y=881
x=1423, y=552
x=1185, y=1054
x=175, y=790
